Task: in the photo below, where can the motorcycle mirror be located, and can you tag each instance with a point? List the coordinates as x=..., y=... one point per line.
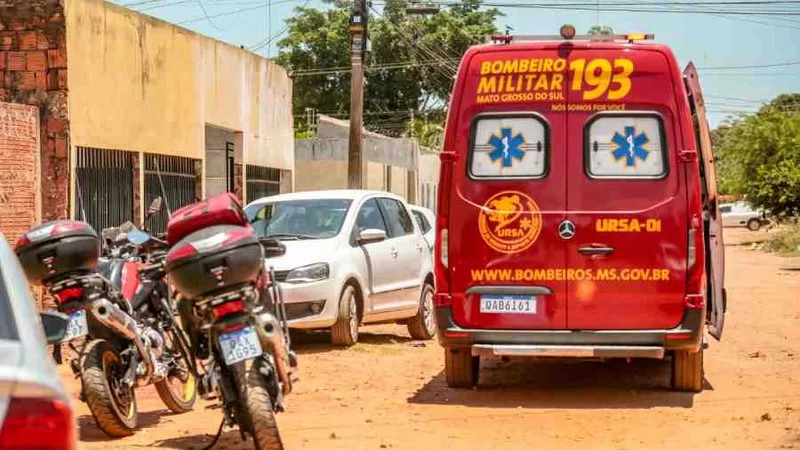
x=55, y=326
x=137, y=237
x=154, y=207
x=127, y=227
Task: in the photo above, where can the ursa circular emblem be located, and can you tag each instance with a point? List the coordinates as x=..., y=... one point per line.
x=510, y=222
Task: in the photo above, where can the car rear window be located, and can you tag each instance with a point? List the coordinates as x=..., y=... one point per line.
x=625, y=146
x=397, y=218
x=509, y=146
x=422, y=221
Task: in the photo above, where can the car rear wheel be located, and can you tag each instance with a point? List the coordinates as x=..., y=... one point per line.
x=345, y=331
x=423, y=325
x=687, y=371
x=461, y=368
x=753, y=224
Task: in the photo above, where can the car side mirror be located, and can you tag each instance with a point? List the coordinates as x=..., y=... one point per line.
x=371, y=235
x=55, y=326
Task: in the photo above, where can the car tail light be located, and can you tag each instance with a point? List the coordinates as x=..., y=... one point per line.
x=37, y=423
x=69, y=293
x=227, y=308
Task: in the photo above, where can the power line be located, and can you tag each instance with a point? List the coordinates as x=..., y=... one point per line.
x=228, y=13
x=755, y=66
x=205, y=13
x=375, y=67
x=151, y=6
x=636, y=7
x=751, y=74
x=413, y=48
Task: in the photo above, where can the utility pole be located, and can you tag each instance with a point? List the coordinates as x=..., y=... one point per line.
x=358, y=46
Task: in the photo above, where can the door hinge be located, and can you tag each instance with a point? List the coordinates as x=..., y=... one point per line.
x=688, y=155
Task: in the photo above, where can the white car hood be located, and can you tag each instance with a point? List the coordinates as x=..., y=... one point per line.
x=302, y=253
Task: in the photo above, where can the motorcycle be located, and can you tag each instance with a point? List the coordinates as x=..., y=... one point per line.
x=234, y=315
x=120, y=314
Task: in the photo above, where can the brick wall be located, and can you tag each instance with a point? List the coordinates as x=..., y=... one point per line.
x=19, y=168
x=33, y=71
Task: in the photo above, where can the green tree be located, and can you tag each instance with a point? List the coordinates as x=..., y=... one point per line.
x=410, y=68
x=759, y=156
x=427, y=130
x=600, y=30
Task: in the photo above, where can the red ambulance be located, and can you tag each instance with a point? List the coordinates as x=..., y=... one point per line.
x=577, y=213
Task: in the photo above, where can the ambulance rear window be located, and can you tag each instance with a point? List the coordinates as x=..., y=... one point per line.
x=508, y=146
x=625, y=146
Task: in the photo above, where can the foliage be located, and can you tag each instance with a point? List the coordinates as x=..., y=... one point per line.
x=423, y=53
x=759, y=156
x=428, y=132
x=600, y=30
x=786, y=240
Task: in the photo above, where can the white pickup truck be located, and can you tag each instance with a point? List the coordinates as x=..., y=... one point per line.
x=742, y=214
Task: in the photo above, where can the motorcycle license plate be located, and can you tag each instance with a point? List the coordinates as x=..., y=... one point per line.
x=240, y=345
x=77, y=326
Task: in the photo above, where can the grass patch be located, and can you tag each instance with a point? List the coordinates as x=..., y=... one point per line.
x=785, y=241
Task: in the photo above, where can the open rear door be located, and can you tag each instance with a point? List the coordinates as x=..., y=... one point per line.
x=715, y=256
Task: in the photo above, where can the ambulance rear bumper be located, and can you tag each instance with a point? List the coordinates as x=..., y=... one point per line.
x=687, y=336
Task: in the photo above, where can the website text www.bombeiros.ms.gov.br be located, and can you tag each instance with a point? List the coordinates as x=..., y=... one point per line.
x=602, y=274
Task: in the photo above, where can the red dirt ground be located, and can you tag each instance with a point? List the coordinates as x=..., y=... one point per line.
x=389, y=392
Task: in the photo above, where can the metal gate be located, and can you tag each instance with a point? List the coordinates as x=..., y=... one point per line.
x=177, y=176
x=105, y=188
x=262, y=182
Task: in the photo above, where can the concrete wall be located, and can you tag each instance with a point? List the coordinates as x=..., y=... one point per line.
x=217, y=140
x=322, y=162
x=141, y=84
x=428, y=179
x=19, y=169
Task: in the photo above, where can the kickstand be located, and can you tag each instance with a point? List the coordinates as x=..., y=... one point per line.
x=216, y=438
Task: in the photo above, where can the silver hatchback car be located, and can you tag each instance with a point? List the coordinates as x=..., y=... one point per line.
x=35, y=410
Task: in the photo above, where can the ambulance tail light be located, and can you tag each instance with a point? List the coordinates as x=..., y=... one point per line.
x=443, y=247
x=442, y=257
x=695, y=273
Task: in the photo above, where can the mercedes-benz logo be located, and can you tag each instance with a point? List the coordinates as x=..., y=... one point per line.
x=566, y=230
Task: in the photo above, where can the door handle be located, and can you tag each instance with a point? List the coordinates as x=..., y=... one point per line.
x=394, y=253
x=595, y=250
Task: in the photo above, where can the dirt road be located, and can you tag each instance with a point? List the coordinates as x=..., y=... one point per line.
x=389, y=392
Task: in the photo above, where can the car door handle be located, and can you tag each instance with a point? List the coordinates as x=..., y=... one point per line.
x=595, y=250
x=393, y=253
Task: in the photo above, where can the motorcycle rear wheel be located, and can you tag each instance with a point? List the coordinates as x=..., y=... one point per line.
x=256, y=406
x=178, y=390
x=113, y=406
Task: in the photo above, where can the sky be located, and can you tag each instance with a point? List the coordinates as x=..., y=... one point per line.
x=718, y=43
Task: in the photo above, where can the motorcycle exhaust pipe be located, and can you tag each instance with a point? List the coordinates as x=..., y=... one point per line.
x=271, y=337
x=115, y=319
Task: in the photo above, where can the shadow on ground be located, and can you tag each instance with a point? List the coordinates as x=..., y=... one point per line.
x=230, y=440
x=527, y=383
x=88, y=431
x=309, y=342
